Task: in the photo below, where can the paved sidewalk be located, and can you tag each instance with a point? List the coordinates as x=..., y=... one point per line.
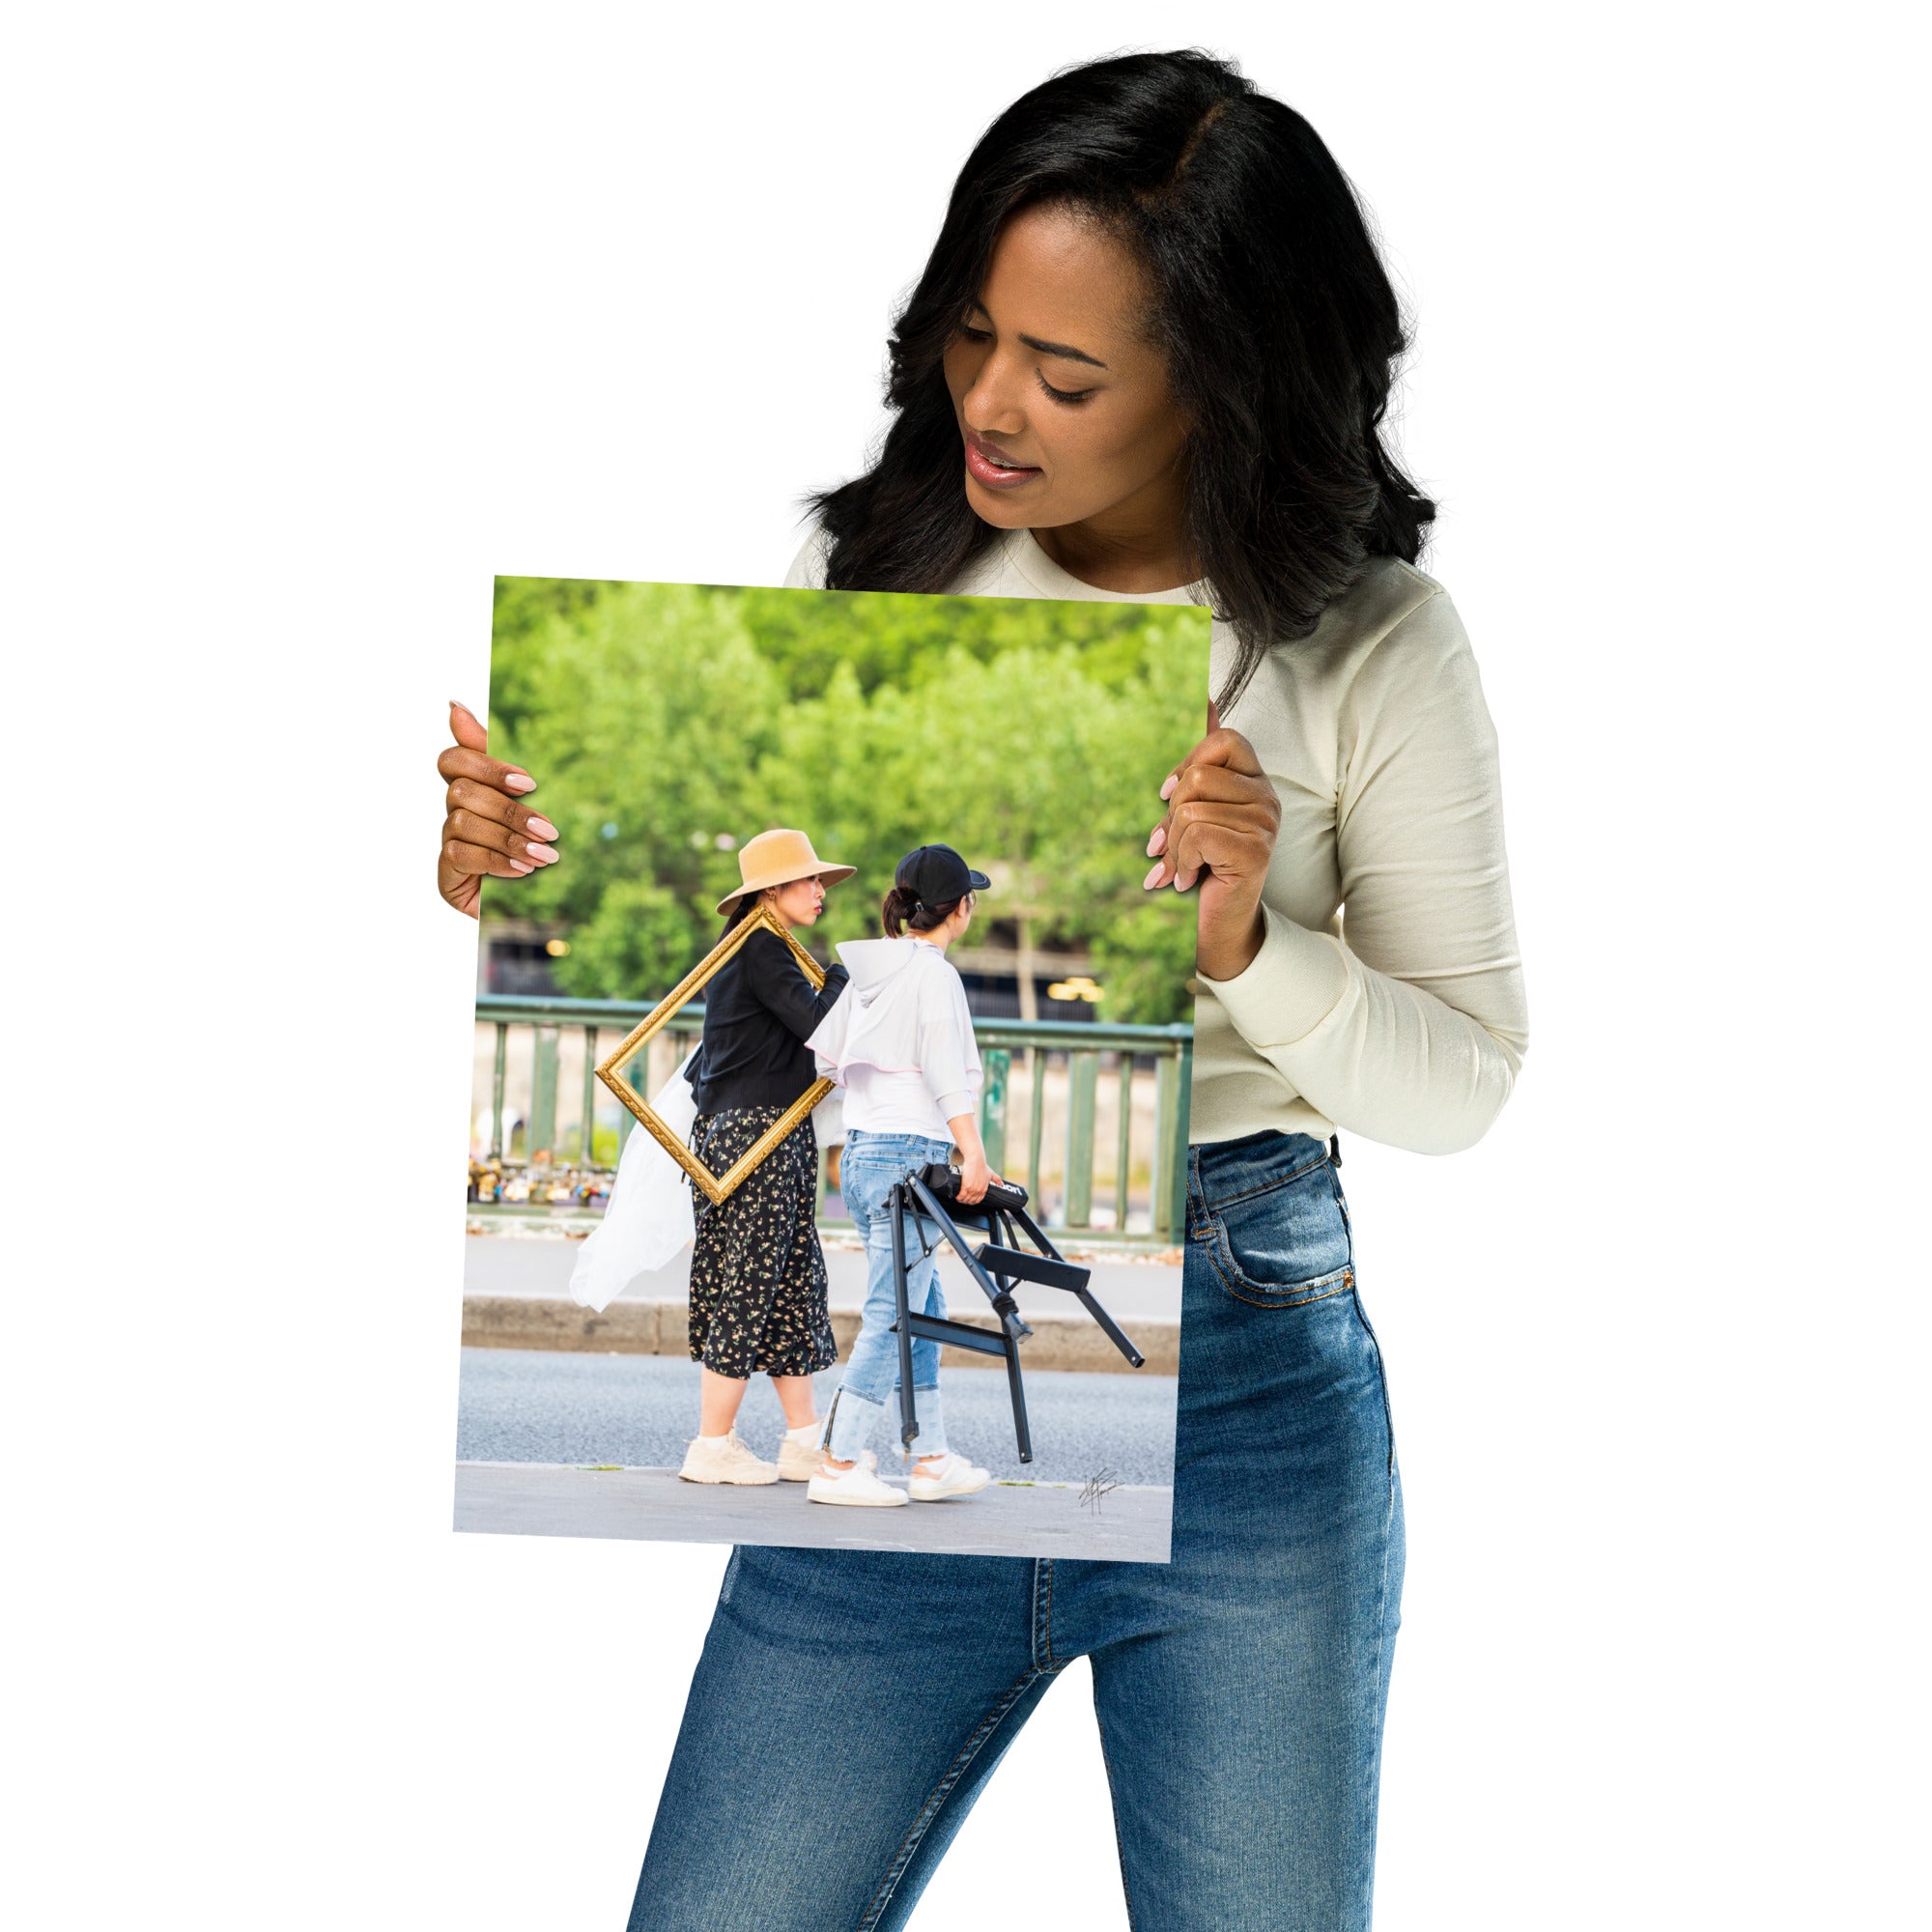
x=530, y=1262
x=1128, y=1525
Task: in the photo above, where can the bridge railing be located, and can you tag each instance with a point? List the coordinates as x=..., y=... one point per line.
x=1100, y=1187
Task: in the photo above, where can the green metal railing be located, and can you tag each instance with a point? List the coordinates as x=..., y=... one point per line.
x=1165, y=1052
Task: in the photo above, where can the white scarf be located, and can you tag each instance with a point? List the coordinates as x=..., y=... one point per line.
x=651, y=1215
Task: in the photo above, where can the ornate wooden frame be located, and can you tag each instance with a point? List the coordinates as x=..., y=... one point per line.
x=610, y=1068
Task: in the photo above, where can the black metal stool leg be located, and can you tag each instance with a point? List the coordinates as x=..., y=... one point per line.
x=908, y=1410
x=1022, y=1433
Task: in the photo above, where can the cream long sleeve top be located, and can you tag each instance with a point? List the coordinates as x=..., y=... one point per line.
x=1387, y=997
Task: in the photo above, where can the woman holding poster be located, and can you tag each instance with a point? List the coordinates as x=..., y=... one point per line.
x=1150, y=360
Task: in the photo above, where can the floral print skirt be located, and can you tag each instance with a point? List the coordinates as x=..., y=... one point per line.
x=758, y=1273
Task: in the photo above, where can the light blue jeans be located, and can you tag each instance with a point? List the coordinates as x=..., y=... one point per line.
x=867, y=1170
x=1241, y=1687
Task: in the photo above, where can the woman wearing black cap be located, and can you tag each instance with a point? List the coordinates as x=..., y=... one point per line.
x=900, y=1044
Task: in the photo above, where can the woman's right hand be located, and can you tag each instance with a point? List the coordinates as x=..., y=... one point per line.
x=975, y=1176
x=487, y=833
x=1223, y=814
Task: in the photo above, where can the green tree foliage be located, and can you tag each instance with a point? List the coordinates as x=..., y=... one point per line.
x=883, y=639
x=667, y=723
x=640, y=936
x=643, y=715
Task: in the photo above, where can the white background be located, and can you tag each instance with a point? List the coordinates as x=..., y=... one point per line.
x=320, y=316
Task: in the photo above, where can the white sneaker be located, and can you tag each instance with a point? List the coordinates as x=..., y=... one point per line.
x=725, y=1458
x=954, y=1477
x=798, y=1461
x=856, y=1484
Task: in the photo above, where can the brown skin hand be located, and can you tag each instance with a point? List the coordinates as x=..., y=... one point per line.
x=1222, y=819
x=487, y=831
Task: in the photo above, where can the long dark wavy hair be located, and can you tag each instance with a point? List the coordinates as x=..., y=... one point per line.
x=1280, y=329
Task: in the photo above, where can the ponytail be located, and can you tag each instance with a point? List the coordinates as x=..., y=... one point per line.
x=901, y=909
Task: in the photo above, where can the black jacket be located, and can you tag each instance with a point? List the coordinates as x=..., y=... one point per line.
x=760, y=1010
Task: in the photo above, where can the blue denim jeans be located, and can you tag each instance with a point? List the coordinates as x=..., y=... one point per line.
x=866, y=1171
x=1240, y=1687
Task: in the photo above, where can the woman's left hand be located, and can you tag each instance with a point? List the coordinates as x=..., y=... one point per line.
x=1222, y=817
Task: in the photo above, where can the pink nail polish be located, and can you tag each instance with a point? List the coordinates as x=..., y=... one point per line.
x=540, y=828
x=543, y=854
x=1153, y=877
x=1173, y=780
x=518, y=867
x=518, y=781
x=1158, y=843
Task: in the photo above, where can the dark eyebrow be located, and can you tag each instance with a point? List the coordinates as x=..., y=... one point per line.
x=1067, y=350
x=1060, y=349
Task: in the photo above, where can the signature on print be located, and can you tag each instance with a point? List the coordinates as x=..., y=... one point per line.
x=1096, y=1488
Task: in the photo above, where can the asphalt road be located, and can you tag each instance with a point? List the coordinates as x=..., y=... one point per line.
x=539, y=1405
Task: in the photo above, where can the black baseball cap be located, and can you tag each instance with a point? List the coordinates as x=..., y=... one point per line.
x=936, y=875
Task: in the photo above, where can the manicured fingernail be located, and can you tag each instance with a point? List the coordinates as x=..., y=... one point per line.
x=1182, y=881
x=1158, y=843
x=1173, y=780
x=544, y=854
x=1153, y=877
x=518, y=781
x=518, y=867
x=541, y=828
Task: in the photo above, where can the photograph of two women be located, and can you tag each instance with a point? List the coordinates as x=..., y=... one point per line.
x=833, y=1051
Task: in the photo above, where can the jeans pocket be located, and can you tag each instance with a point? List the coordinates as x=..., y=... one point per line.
x=867, y=1183
x=1282, y=1245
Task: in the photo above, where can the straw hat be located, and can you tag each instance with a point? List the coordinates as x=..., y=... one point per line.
x=775, y=859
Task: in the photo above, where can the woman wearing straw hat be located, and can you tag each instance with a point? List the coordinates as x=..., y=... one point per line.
x=757, y=1273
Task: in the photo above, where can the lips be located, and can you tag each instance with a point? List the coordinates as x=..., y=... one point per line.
x=991, y=467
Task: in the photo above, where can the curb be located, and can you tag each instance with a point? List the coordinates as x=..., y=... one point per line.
x=658, y=1328
x=557, y=1224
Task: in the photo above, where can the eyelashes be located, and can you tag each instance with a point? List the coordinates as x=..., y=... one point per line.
x=1067, y=398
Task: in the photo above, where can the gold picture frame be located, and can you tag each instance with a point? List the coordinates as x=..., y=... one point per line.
x=610, y=1070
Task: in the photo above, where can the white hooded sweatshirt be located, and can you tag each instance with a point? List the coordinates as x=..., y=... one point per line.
x=900, y=1041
